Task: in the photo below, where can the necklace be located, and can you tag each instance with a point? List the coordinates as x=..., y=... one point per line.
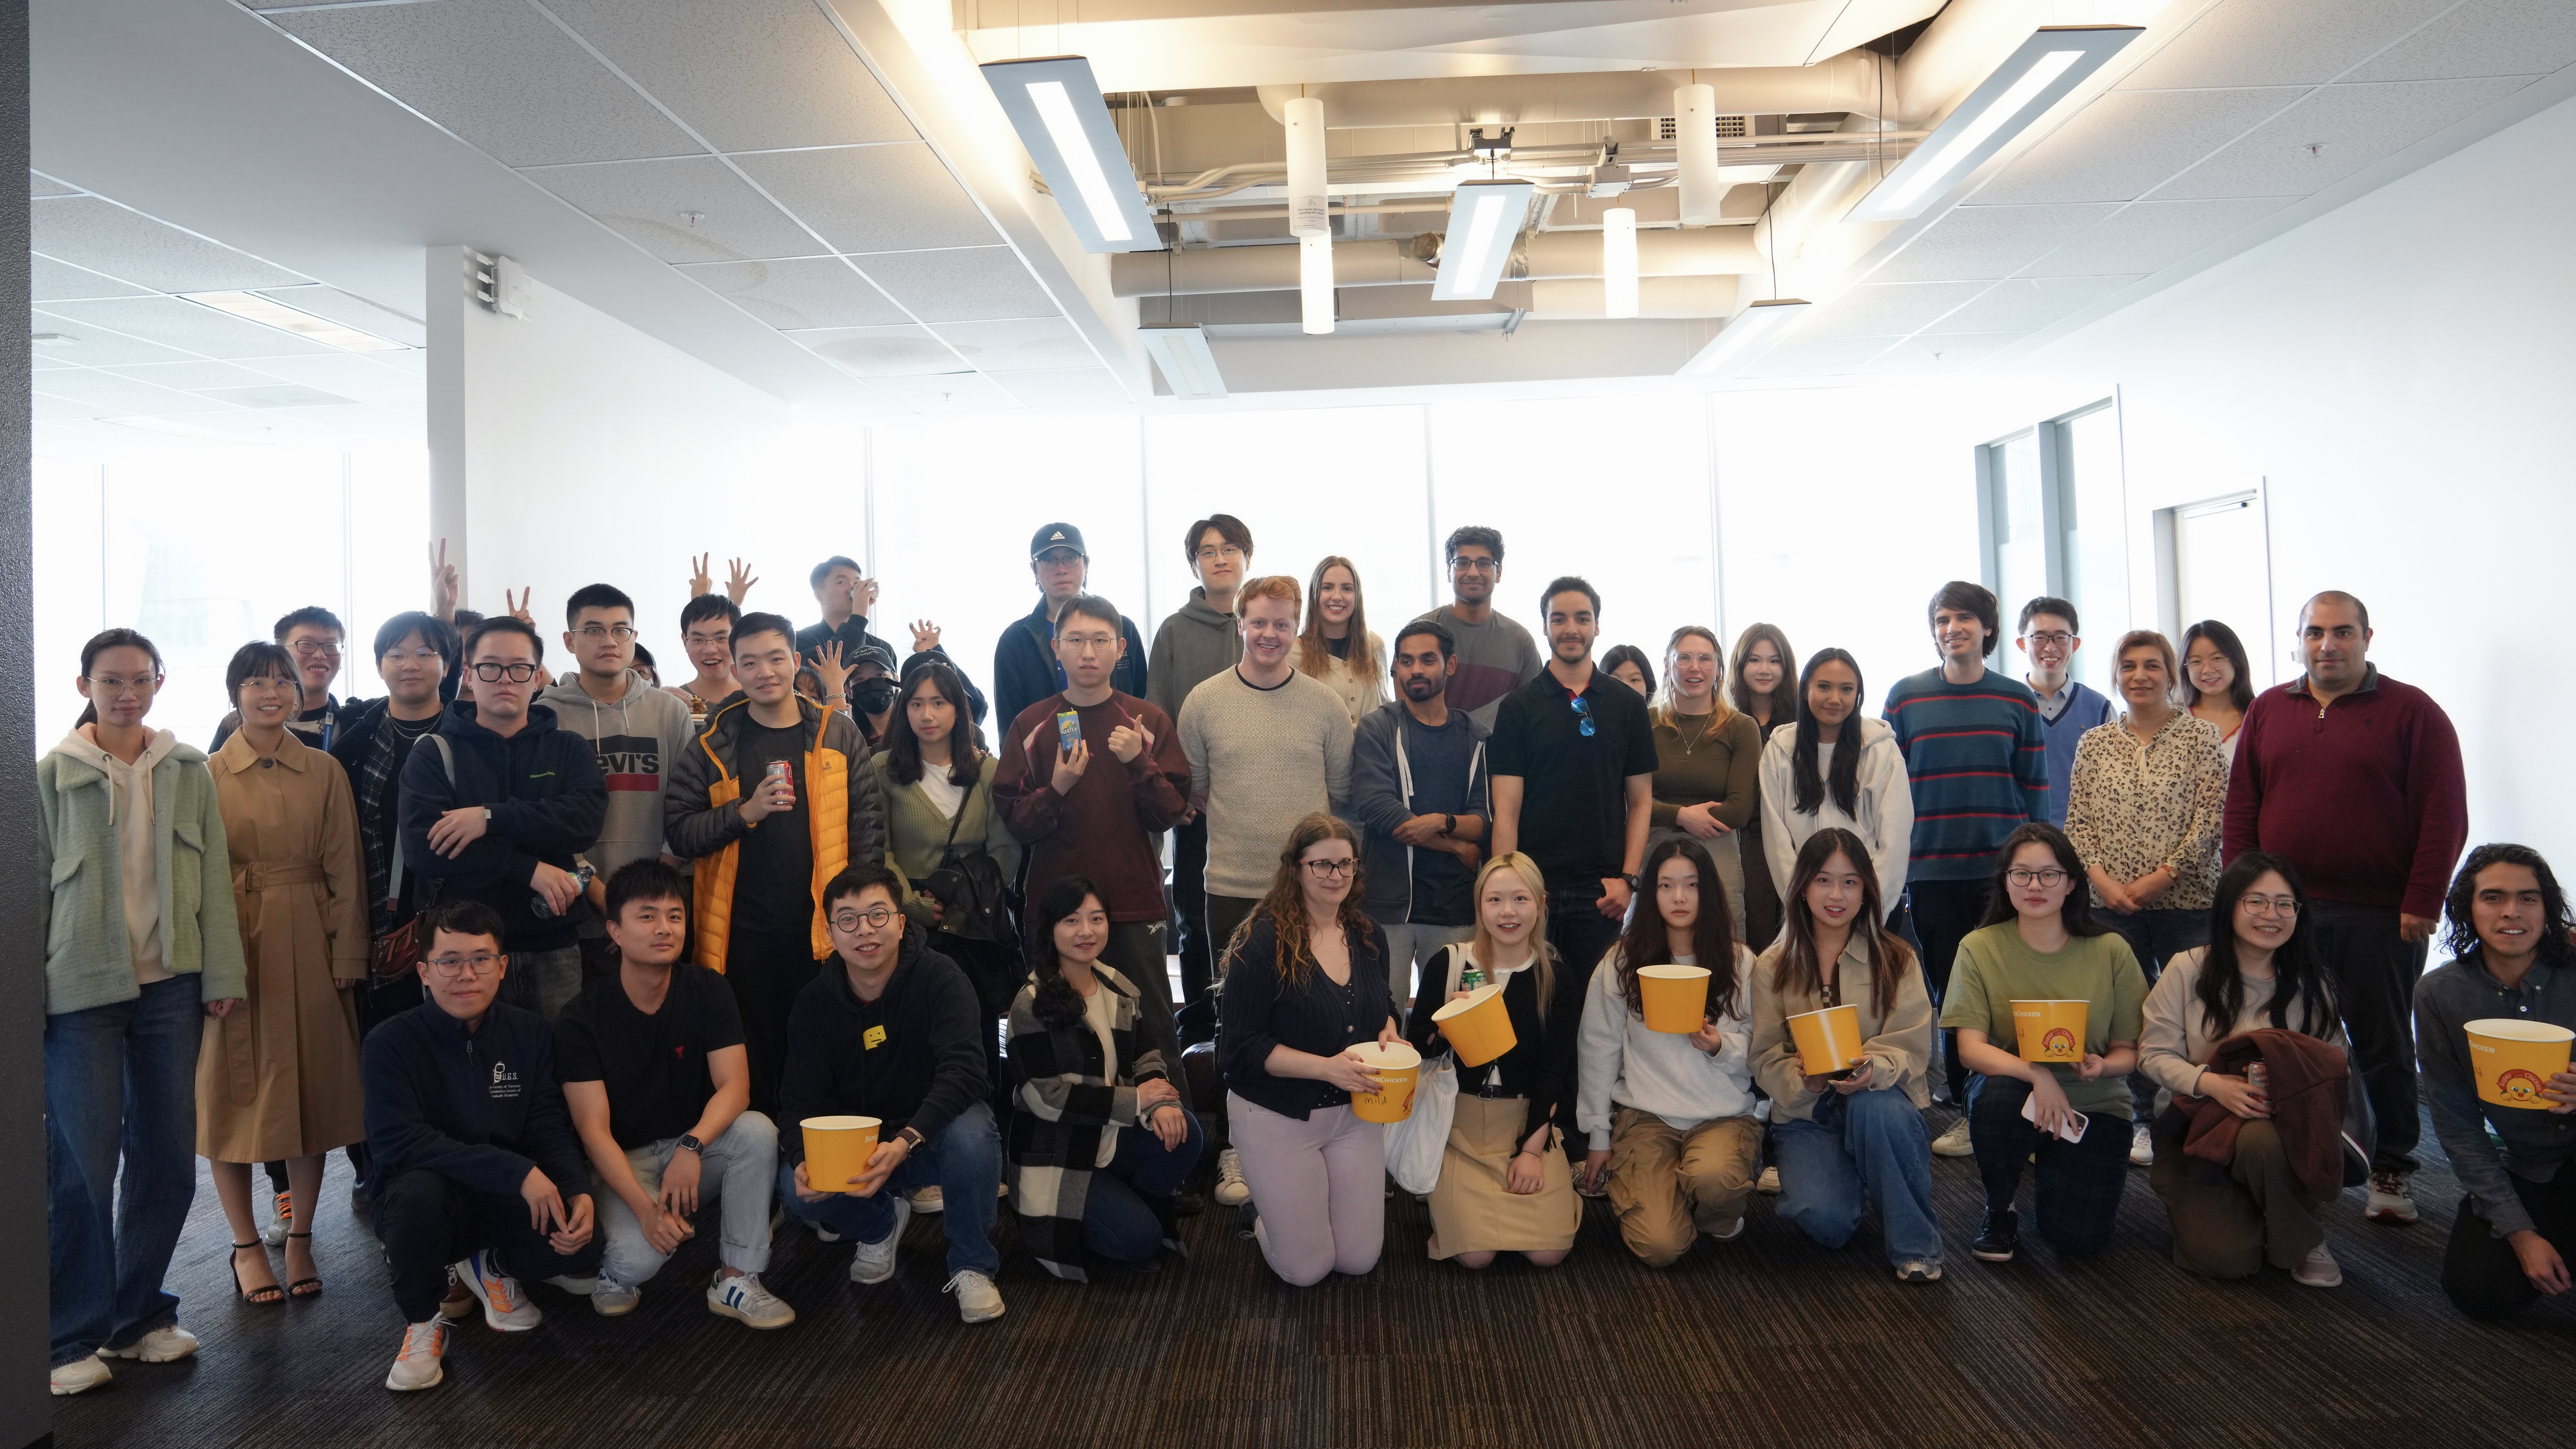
x=1707, y=721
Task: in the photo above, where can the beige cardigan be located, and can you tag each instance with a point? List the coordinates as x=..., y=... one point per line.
x=1899, y=1044
x=1360, y=691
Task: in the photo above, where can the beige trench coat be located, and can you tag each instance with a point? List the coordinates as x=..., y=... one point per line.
x=279, y=1076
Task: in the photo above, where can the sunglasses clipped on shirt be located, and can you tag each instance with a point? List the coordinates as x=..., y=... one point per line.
x=1583, y=716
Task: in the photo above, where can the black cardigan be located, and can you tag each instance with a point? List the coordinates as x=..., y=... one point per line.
x=927, y=1070
x=1262, y=1011
x=1541, y=1064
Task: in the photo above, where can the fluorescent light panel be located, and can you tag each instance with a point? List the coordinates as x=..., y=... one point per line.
x=1180, y=350
x=269, y=312
x=2037, y=75
x=1484, y=218
x=1753, y=328
x=1056, y=107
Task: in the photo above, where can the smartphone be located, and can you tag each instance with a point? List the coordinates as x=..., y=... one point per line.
x=1068, y=730
x=2073, y=1131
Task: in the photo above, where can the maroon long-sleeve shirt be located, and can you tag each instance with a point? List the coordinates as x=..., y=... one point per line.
x=2364, y=796
x=1105, y=828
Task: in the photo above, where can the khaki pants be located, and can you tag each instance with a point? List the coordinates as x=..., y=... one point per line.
x=1667, y=1185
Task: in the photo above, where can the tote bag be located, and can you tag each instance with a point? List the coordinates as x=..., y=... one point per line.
x=1415, y=1146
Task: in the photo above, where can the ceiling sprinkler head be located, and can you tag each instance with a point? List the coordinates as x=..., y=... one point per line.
x=693, y=217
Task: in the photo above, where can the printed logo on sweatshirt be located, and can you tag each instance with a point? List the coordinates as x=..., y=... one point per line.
x=505, y=1083
x=872, y=1038
x=631, y=762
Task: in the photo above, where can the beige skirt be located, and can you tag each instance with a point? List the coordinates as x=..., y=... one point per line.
x=1471, y=1210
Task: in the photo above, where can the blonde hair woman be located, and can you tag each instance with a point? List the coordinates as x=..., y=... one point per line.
x=1336, y=645
x=1505, y=1185
x=1707, y=757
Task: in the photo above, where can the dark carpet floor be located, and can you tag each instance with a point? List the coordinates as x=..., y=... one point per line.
x=1767, y=1340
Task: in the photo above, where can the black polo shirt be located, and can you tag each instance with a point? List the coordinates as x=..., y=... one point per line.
x=1574, y=787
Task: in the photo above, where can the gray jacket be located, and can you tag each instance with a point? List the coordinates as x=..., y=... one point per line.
x=2486, y=1143
x=1194, y=644
x=1383, y=791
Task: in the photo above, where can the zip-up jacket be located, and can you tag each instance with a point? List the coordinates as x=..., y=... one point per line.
x=480, y=1107
x=89, y=953
x=926, y=1068
x=543, y=788
x=1024, y=663
x=702, y=814
x=1383, y=791
x=638, y=739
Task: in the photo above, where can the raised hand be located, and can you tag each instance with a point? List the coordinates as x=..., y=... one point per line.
x=701, y=582
x=738, y=579
x=831, y=671
x=519, y=610
x=442, y=583
x=925, y=636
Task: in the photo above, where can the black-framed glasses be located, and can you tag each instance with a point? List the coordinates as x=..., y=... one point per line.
x=315, y=649
x=1474, y=565
x=2022, y=875
x=495, y=673
x=874, y=918
x=1331, y=869
x=1583, y=716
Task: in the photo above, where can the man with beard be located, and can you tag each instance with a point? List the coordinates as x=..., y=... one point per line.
x=1419, y=789
x=1495, y=654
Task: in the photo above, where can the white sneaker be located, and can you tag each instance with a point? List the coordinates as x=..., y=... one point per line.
x=167, y=1344
x=505, y=1303
x=1918, y=1272
x=281, y=1224
x=1769, y=1181
x=81, y=1375
x=1953, y=1143
x=1730, y=1235
x=2320, y=1270
x=2142, y=1146
x=1231, y=1189
x=978, y=1301
x=422, y=1364
x=742, y=1298
x=928, y=1199
x=874, y=1262
x=2389, y=1202
x=610, y=1298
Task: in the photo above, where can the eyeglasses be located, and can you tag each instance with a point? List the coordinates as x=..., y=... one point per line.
x=1583, y=716
x=2022, y=875
x=596, y=632
x=2051, y=636
x=2269, y=905
x=109, y=684
x=495, y=673
x=1474, y=565
x=481, y=963
x=1059, y=556
x=1331, y=869
x=719, y=639
x=417, y=656
x=315, y=649
x=874, y=918
x=270, y=684
x=1228, y=554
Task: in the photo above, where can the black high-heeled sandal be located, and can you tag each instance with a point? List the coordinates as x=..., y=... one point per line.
x=303, y=1287
x=253, y=1295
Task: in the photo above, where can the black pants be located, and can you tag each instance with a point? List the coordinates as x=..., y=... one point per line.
x=766, y=971
x=1190, y=901
x=427, y=1221
x=1135, y=951
x=1944, y=912
x=2479, y=1269
x=2079, y=1182
x=1581, y=936
x=2374, y=977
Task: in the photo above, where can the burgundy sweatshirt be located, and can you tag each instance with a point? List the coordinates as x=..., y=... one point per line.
x=1105, y=828
x=2365, y=796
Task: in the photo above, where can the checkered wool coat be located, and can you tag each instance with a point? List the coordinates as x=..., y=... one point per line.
x=1069, y=1099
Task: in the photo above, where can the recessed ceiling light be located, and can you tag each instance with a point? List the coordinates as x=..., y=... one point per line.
x=269, y=312
x=60, y=339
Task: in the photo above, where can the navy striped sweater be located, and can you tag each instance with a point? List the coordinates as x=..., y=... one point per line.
x=1977, y=756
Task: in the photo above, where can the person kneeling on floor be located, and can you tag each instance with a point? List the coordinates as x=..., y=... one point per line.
x=888, y=1030
x=476, y=1157
x=655, y=1072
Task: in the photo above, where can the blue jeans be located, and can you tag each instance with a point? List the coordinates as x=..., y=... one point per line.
x=964, y=1161
x=2155, y=936
x=1124, y=1209
x=120, y=1080
x=1867, y=1147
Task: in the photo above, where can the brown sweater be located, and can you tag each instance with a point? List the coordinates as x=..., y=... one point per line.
x=1717, y=766
x=1105, y=828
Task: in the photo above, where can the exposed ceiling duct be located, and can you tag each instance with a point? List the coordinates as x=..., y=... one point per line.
x=1849, y=82
x=1541, y=256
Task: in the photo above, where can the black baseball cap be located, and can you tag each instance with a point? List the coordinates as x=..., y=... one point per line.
x=1056, y=535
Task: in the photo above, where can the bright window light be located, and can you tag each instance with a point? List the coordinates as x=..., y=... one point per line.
x=1619, y=262
x=269, y=312
x=1055, y=109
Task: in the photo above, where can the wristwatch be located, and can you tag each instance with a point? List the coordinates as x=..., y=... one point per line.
x=1451, y=828
x=910, y=1139
x=689, y=1143
x=1631, y=879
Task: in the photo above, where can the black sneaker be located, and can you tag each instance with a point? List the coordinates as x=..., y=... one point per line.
x=2000, y=1240
x=1189, y=1202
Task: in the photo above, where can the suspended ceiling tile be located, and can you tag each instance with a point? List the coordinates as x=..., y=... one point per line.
x=47, y=357
x=110, y=239
x=498, y=74
x=332, y=304
x=1804, y=356
x=2276, y=43
x=2152, y=235
x=1973, y=243
x=2335, y=132
x=965, y=285
x=113, y=395
x=2028, y=304
x=955, y=393
x=2128, y=142
x=60, y=410
x=39, y=184
x=2483, y=37
x=1929, y=355
x=881, y=351
x=1027, y=344
x=749, y=75
x=1887, y=310
x=95, y=346
x=201, y=330
x=62, y=282
x=650, y=203
x=793, y=295
x=873, y=198
x=277, y=395
x=1087, y=387
x=187, y=376
x=362, y=376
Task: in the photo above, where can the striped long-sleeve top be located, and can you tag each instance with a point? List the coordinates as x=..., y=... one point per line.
x=1977, y=757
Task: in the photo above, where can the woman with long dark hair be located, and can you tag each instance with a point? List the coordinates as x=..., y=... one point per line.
x=1100, y=1141
x=2040, y=942
x=1707, y=753
x=1669, y=1118
x=1837, y=768
x=1762, y=683
x=1850, y=1138
x=2260, y=969
x=2217, y=680
x=1305, y=981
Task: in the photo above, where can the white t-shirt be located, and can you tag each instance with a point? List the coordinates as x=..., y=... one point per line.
x=945, y=795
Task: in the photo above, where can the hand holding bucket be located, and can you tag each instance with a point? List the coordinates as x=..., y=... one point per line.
x=837, y=1149
x=2514, y=1060
x=1478, y=1026
x=1828, y=1041
x=1398, y=1066
x=2050, y=1031
x=1675, y=997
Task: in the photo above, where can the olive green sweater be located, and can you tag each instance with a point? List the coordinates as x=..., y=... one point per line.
x=1696, y=765
x=917, y=834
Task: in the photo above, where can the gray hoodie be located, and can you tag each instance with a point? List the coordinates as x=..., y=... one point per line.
x=1195, y=644
x=637, y=739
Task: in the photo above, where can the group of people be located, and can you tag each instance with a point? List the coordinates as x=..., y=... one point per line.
x=609, y=963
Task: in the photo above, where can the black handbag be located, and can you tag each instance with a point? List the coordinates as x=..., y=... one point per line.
x=975, y=927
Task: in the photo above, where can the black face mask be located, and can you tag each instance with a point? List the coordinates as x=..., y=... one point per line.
x=872, y=696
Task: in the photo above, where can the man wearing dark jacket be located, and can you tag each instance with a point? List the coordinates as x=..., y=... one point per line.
x=1199, y=641
x=1419, y=787
x=479, y=1163
x=889, y=1030
x=497, y=806
x=1024, y=663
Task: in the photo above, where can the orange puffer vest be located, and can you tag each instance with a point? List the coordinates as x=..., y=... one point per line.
x=827, y=819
